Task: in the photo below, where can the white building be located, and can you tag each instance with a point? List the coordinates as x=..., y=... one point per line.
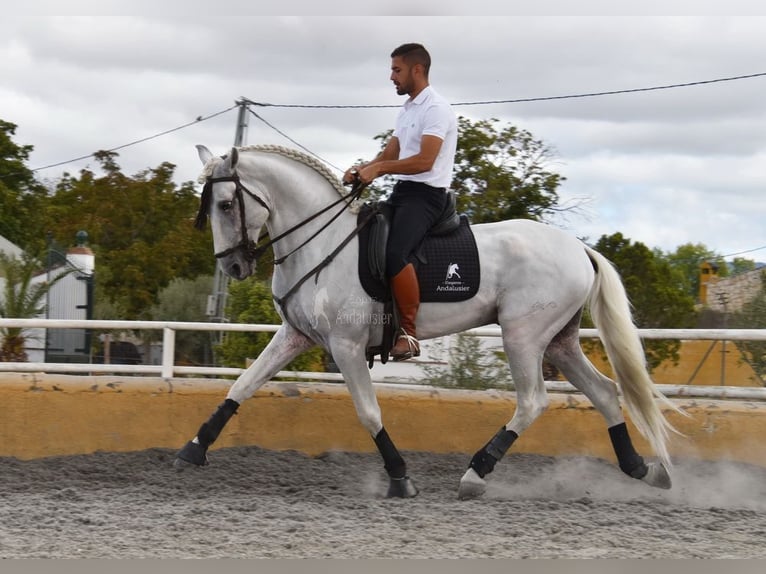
x=70, y=298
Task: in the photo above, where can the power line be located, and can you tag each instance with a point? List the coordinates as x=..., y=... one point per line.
x=307, y=150
x=743, y=252
x=138, y=141
x=520, y=100
x=287, y=137
x=474, y=103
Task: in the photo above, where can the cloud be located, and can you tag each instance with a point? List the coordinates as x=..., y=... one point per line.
x=664, y=167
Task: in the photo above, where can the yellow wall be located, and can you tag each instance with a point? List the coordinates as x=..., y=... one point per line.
x=692, y=356
x=46, y=415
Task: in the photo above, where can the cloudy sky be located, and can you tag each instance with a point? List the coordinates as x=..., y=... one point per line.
x=664, y=167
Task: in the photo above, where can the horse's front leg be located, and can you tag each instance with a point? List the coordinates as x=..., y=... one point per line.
x=349, y=356
x=286, y=344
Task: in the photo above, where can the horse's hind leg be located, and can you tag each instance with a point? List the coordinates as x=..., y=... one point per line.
x=532, y=400
x=285, y=345
x=565, y=352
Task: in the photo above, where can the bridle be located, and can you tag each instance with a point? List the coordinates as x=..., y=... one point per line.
x=252, y=250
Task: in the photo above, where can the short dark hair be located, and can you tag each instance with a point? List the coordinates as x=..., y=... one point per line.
x=414, y=54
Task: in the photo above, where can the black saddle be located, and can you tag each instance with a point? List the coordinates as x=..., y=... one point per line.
x=447, y=261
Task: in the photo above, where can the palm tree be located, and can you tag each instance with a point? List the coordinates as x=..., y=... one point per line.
x=21, y=299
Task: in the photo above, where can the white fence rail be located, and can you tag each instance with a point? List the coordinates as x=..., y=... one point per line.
x=168, y=368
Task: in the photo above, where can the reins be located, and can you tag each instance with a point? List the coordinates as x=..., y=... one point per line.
x=252, y=250
x=282, y=301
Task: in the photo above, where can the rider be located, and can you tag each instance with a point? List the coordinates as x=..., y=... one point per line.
x=421, y=152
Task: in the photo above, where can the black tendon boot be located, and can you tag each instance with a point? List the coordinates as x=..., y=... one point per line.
x=483, y=462
x=195, y=451
x=631, y=463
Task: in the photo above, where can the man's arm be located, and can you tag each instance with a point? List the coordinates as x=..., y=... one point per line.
x=385, y=164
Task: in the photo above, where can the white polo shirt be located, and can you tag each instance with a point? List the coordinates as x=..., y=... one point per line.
x=428, y=114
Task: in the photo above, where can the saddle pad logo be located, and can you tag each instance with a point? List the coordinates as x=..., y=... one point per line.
x=452, y=281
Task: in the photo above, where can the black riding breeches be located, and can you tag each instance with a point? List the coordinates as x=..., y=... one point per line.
x=416, y=207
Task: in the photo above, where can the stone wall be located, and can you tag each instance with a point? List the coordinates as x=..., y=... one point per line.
x=734, y=291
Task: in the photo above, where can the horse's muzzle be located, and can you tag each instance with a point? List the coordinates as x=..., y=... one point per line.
x=239, y=270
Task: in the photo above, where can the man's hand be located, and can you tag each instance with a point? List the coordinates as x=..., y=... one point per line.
x=363, y=174
x=351, y=175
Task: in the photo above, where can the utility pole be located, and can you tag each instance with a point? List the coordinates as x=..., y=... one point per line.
x=724, y=300
x=240, y=136
x=217, y=301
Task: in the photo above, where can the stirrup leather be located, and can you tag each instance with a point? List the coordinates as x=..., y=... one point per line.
x=413, y=346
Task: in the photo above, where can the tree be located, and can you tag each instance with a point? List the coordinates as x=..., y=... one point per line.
x=656, y=291
x=20, y=194
x=740, y=265
x=500, y=173
x=686, y=261
x=186, y=300
x=469, y=366
x=250, y=301
x=22, y=298
x=140, y=230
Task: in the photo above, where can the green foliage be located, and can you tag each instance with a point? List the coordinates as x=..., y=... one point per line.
x=22, y=298
x=501, y=173
x=740, y=265
x=140, y=229
x=186, y=300
x=250, y=302
x=20, y=194
x=656, y=291
x=469, y=366
x=685, y=262
x=753, y=316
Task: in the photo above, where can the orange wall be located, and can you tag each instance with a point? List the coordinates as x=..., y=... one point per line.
x=47, y=415
x=692, y=356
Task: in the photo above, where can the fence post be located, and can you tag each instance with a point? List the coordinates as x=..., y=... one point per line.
x=168, y=352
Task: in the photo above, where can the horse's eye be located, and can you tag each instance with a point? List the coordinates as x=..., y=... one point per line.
x=226, y=205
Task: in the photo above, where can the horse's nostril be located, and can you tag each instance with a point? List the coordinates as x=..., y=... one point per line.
x=236, y=270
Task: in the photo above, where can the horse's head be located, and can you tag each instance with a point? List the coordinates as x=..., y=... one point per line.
x=236, y=213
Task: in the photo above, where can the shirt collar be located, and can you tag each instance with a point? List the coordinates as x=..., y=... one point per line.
x=422, y=96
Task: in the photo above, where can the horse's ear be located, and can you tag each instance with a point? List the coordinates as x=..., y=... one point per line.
x=204, y=154
x=234, y=158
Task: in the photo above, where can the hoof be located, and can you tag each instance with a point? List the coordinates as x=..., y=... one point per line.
x=657, y=475
x=471, y=485
x=401, y=488
x=192, y=454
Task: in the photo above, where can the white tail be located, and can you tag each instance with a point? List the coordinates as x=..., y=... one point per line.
x=610, y=310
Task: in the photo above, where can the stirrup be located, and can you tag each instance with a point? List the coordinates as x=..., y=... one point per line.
x=413, y=347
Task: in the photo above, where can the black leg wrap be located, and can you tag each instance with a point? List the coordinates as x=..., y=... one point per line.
x=210, y=430
x=392, y=460
x=192, y=453
x=631, y=463
x=483, y=462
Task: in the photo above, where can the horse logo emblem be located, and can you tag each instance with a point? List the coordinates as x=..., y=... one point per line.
x=452, y=271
